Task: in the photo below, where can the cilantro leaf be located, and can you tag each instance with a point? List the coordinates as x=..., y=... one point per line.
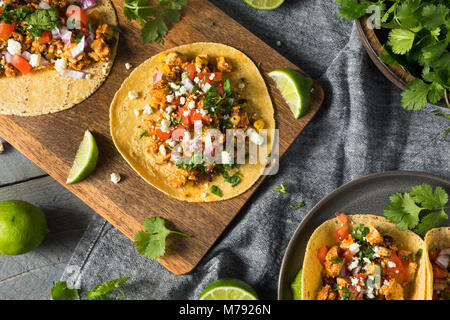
x=434, y=15
x=430, y=221
x=430, y=200
x=215, y=190
x=152, y=241
x=42, y=20
x=408, y=13
x=401, y=40
x=283, y=188
x=415, y=95
x=100, y=291
x=153, y=16
x=300, y=205
x=60, y=291
x=402, y=211
x=351, y=9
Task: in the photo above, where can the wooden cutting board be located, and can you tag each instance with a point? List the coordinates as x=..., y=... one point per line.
x=51, y=141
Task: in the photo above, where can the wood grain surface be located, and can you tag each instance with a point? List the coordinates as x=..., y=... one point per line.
x=51, y=141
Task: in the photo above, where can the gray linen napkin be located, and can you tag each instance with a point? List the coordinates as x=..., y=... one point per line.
x=360, y=129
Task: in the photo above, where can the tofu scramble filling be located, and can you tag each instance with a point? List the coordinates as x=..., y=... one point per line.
x=195, y=97
x=52, y=34
x=365, y=265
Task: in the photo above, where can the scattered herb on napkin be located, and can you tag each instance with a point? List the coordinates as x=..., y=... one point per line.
x=420, y=210
x=152, y=241
x=60, y=291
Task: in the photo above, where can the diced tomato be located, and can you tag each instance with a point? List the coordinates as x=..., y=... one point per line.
x=348, y=255
x=404, y=255
x=21, y=63
x=342, y=233
x=185, y=120
x=162, y=134
x=79, y=15
x=439, y=273
x=322, y=253
x=398, y=271
x=190, y=69
x=218, y=77
x=6, y=29
x=220, y=88
x=45, y=37
x=196, y=115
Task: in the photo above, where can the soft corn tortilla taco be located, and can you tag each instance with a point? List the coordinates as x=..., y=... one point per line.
x=210, y=84
x=437, y=248
x=372, y=249
x=44, y=90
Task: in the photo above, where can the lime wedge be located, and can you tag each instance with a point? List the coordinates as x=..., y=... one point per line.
x=295, y=89
x=264, y=4
x=296, y=286
x=85, y=159
x=228, y=289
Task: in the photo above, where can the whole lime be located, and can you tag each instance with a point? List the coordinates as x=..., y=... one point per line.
x=22, y=227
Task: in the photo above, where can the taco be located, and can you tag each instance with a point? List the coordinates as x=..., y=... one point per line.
x=163, y=115
x=363, y=257
x=437, y=243
x=53, y=53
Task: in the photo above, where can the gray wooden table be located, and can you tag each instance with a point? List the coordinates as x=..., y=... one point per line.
x=32, y=275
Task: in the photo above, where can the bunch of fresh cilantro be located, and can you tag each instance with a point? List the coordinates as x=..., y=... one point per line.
x=153, y=15
x=420, y=210
x=418, y=41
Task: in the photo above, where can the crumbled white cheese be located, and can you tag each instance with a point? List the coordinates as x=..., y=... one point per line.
x=132, y=94
x=196, y=80
x=171, y=143
x=182, y=101
x=241, y=85
x=212, y=76
x=198, y=69
x=355, y=281
x=186, y=113
x=174, y=86
x=203, y=194
x=169, y=109
x=366, y=260
x=128, y=66
x=191, y=104
x=88, y=76
x=255, y=137
x=147, y=109
x=162, y=150
x=115, y=178
x=206, y=87
x=136, y=112
x=14, y=47
x=354, y=247
x=182, y=90
x=61, y=65
x=391, y=264
x=35, y=60
x=165, y=125
x=169, y=98
x=226, y=158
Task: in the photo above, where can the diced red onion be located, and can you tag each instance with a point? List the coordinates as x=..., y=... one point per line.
x=66, y=36
x=44, y=5
x=87, y=4
x=344, y=271
x=208, y=146
x=157, y=77
x=26, y=55
x=44, y=62
x=56, y=34
x=89, y=40
x=442, y=260
x=440, y=284
x=74, y=74
x=7, y=56
x=75, y=52
x=188, y=84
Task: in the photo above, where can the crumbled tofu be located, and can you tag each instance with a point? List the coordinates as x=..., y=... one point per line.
x=132, y=95
x=14, y=47
x=128, y=66
x=115, y=178
x=147, y=109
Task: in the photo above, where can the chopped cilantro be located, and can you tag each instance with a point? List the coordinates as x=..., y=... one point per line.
x=144, y=134
x=360, y=232
x=336, y=260
x=300, y=205
x=283, y=188
x=215, y=190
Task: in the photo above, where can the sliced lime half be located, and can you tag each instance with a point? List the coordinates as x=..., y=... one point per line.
x=228, y=289
x=264, y=4
x=85, y=159
x=295, y=89
x=296, y=286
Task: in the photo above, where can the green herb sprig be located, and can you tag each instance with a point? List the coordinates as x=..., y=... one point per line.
x=61, y=291
x=153, y=18
x=420, y=210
